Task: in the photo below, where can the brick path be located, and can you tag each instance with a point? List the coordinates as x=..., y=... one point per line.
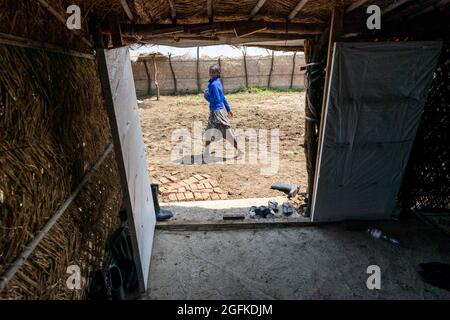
x=196, y=188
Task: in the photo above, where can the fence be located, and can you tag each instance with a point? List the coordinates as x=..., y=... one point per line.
x=281, y=72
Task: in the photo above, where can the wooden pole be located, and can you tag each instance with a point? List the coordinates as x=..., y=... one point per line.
x=244, y=53
x=314, y=53
x=221, y=72
x=271, y=69
x=63, y=21
x=175, y=89
x=198, y=70
x=293, y=70
x=336, y=26
x=156, y=77
x=114, y=28
x=149, y=79
x=32, y=245
x=16, y=41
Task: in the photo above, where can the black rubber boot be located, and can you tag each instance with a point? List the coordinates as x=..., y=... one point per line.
x=161, y=214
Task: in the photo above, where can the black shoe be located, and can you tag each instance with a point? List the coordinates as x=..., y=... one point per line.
x=287, y=208
x=161, y=214
x=117, y=291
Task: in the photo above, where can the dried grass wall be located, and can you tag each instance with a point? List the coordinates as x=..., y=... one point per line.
x=426, y=184
x=53, y=128
x=233, y=73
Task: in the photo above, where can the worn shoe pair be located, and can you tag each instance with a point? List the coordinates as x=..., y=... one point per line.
x=261, y=212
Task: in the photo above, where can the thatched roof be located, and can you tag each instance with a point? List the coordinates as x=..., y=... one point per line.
x=157, y=56
x=186, y=23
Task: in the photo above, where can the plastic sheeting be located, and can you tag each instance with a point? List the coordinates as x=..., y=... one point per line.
x=376, y=97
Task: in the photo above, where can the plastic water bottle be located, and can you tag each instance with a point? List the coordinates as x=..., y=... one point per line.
x=378, y=234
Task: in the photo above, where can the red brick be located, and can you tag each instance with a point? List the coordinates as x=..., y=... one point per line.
x=174, y=172
x=181, y=197
x=207, y=185
x=198, y=196
x=200, y=186
x=175, y=185
x=172, y=178
x=218, y=190
x=189, y=196
x=206, y=175
x=223, y=196
x=182, y=189
x=206, y=196
x=214, y=183
x=214, y=196
x=209, y=190
x=164, y=180
x=198, y=177
x=173, y=197
x=193, y=186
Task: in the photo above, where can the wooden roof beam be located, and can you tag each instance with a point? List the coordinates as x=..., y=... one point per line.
x=209, y=8
x=256, y=9
x=173, y=11
x=274, y=27
x=127, y=10
x=63, y=21
x=430, y=8
x=297, y=9
x=245, y=30
x=394, y=6
x=355, y=5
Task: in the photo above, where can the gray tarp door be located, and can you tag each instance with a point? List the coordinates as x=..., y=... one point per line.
x=120, y=97
x=374, y=103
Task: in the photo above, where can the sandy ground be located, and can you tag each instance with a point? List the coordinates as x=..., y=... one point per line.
x=264, y=110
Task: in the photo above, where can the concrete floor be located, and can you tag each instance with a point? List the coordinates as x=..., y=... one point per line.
x=316, y=262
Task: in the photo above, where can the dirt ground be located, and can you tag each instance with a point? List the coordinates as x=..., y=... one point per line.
x=262, y=110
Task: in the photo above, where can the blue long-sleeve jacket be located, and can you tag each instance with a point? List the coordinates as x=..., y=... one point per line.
x=215, y=95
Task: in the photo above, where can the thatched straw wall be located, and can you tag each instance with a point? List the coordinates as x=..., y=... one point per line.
x=426, y=184
x=233, y=73
x=195, y=11
x=53, y=128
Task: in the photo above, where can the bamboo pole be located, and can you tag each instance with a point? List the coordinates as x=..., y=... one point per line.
x=335, y=31
x=175, y=90
x=63, y=21
x=13, y=40
x=32, y=245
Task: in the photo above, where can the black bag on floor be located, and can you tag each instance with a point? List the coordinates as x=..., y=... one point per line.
x=119, y=246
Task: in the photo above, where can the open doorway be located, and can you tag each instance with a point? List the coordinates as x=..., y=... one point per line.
x=266, y=93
